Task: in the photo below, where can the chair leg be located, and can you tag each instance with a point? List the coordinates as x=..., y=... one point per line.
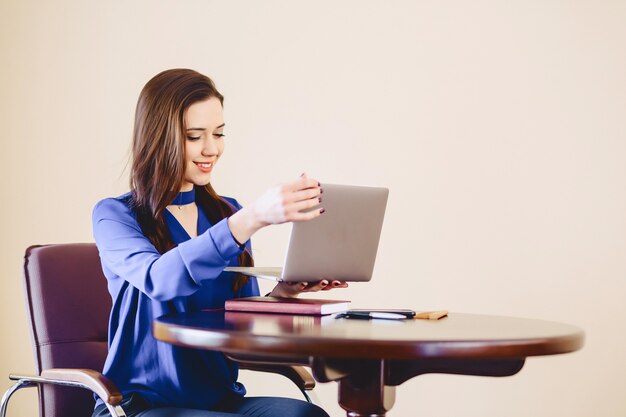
x=115, y=410
x=311, y=397
x=5, y=398
x=306, y=396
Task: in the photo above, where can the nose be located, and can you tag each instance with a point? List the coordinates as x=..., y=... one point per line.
x=210, y=147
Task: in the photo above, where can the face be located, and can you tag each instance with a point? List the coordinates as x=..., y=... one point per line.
x=204, y=143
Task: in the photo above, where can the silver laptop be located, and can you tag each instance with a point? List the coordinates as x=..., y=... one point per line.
x=340, y=244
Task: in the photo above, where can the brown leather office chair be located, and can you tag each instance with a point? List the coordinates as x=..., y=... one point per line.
x=68, y=307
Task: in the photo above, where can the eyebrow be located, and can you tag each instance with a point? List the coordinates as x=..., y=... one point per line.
x=203, y=129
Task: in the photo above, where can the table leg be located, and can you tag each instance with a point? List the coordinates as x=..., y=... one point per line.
x=362, y=389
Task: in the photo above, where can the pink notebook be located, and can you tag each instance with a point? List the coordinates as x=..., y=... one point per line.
x=287, y=305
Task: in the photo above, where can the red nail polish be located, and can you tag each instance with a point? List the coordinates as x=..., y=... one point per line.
x=322, y=211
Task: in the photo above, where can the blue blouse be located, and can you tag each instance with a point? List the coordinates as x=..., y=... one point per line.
x=145, y=284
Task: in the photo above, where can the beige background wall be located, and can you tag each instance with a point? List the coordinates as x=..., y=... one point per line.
x=499, y=128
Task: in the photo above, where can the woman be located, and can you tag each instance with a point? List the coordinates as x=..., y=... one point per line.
x=164, y=247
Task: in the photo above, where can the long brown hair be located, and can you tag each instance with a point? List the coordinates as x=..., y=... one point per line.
x=158, y=156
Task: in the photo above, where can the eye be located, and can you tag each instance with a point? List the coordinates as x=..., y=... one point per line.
x=219, y=135
x=192, y=138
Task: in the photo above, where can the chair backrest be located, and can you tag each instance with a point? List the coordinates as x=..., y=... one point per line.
x=68, y=307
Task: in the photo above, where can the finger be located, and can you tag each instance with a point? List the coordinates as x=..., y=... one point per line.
x=303, y=183
x=307, y=194
x=303, y=210
x=302, y=206
x=311, y=183
x=288, y=196
x=317, y=286
x=303, y=217
x=332, y=284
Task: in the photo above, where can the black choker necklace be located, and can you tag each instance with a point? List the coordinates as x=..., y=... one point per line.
x=184, y=197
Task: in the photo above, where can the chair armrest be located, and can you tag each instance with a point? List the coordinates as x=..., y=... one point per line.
x=85, y=378
x=297, y=374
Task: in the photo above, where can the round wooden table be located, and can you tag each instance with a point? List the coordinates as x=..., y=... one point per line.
x=369, y=358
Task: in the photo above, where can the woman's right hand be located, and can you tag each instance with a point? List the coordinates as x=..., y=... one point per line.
x=286, y=202
x=289, y=202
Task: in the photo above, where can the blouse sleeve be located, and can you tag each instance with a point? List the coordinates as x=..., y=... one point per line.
x=128, y=254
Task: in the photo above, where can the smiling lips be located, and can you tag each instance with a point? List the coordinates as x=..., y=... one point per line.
x=205, y=167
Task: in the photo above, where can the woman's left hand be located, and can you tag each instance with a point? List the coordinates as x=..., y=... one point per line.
x=292, y=289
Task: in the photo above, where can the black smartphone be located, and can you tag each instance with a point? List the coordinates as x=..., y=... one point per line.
x=404, y=311
x=383, y=313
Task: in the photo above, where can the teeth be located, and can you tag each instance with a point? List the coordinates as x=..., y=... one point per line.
x=203, y=165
